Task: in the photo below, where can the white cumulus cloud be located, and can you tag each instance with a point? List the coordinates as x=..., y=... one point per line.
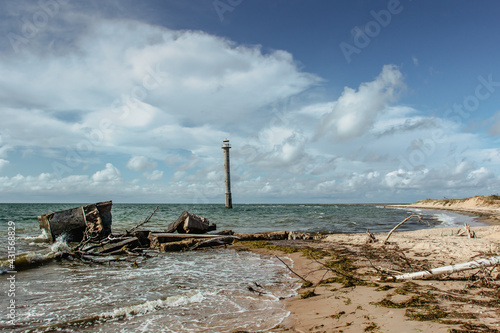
x=154, y=176
x=110, y=174
x=140, y=163
x=356, y=111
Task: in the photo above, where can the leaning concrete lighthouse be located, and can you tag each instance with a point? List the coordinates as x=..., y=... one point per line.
x=226, y=146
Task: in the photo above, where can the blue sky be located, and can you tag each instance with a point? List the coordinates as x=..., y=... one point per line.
x=323, y=101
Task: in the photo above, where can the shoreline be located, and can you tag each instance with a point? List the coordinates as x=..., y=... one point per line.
x=339, y=307
x=485, y=218
x=458, y=302
x=487, y=215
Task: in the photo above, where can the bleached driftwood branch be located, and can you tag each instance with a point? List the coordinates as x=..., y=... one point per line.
x=466, y=231
x=492, y=261
x=400, y=224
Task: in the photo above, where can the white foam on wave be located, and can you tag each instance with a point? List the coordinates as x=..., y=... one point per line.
x=30, y=258
x=60, y=245
x=42, y=238
x=179, y=292
x=452, y=219
x=154, y=305
x=447, y=220
x=409, y=209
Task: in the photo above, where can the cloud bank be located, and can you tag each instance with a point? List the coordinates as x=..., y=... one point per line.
x=125, y=110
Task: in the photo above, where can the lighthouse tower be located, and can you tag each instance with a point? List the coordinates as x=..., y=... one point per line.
x=226, y=146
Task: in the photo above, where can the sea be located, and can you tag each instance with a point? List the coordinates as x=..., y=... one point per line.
x=212, y=290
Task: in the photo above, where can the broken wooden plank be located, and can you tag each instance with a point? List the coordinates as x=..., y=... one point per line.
x=178, y=246
x=273, y=235
x=158, y=238
x=164, y=236
x=219, y=241
x=131, y=242
x=194, y=243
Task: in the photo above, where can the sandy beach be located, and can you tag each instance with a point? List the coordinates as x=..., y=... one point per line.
x=486, y=207
x=350, y=288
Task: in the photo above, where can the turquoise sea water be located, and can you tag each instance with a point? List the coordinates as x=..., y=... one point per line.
x=200, y=291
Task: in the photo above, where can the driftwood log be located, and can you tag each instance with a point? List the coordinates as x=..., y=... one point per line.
x=156, y=239
x=195, y=243
x=224, y=240
x=177, y=246
x=492, y=261
x=181, y=242
x=275, y=235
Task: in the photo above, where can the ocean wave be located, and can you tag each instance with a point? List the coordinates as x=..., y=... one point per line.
x=446, y=219
x=42, y=238
x=60, y=245
x=154, y=305
x=33, y=259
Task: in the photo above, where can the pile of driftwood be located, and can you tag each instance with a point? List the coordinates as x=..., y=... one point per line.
x=90, y=226
x=465, y=231
x=189, y=231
